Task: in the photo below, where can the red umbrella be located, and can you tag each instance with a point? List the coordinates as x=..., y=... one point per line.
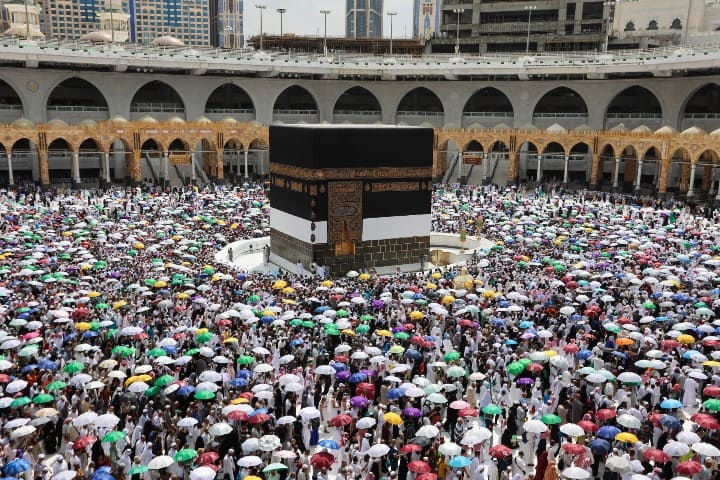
x=340, y=420
x=711, y=391
x=322, y=460
x=656, y=455
x=259, y=418
x=83, y=442
x=534, y=367
x=711, y=343
x=365, y=389
x=208, y=458
x=427, y=476
x=574, y=448
x=571, y=348
x=417, y=340
x=588, y=426
x=418, y=466
x=701, y=416
x=690, y=467
x=248, y=395
x=409, y=326
x=238, y=416
x=341, y=358
x=411, y=448
x=500, y=451
x=459, y=404
x=466, y=323
x=468, y=412
x=708, y=423
x=5, y=378
x=605, y=414
x=670, y=344
x=655, y=418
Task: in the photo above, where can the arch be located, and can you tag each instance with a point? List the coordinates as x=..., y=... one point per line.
x=560, y=102
x=580, y=147
x=230, y=99
x=702, y=108
x=357, y=104
x=75, y=100
x=652, y=153
x=59, y=158
x=178, y=145
x=679, y=172
x=151, y=144
x=553, y=148
x=113, y=143
x=634, y=104
x=473, y=146
x=420, y=99
x=11, y=105
x=488, y=103
x=295, y=97
x=158, y=99
x=447, y=154
x=233, y=156
x=25, y=159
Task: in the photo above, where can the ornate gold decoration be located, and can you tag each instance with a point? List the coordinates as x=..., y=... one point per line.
x=354, y=173
x=344, y=216
x=396, y=187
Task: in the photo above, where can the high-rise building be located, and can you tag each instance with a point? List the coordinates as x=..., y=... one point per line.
x=426, y=18
x=519, y=25
x=226, y=23
x=75, y=19
x=187, y=20
x=364, y=18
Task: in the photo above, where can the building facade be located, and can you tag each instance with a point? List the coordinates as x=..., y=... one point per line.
x=226, y=23
x=426, y=18
x=510, y=26
x=364, y=18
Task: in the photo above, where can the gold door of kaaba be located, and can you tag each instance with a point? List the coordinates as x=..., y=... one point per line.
x=344, y=216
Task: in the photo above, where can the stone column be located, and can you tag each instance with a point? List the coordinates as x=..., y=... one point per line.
x=220, y=159
x=106, y=160
x=717, y=197
x=43, y=167
x=246, y=162
x=486, y=160
x=513, y=168
x=134, y=170
x=566, y=171
x=539, y=168
x=11, y=177
x=638, y=175
x=713, y=179
x=707, y=180
x=663, y=177
x=166, y=168
x=595, y=171
x=193, y=176
x=691, y=185
x=76, y=167
x=616, y=172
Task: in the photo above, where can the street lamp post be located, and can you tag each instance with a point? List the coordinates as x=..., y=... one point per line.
x=281, y=11
x=391, y=15
x=457, y=11
x=529, y=9
x=609, y=4
x=325, y=13
x=261, y=8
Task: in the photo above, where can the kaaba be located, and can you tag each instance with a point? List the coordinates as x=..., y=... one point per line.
x=350, y=196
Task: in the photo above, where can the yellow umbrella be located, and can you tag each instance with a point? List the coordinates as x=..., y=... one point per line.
x=94, y=294
x=230, y=340
x=176, y=237
x=138, y=245
x=200, y=331
x=431, y=286
x=216, y=278
x=326, y=283
x=436, y=276
x=239, y=400
x=711, y=363
x=252, y=477
x=626, y=437
x=268, y=313
x=289, y=301
x=489, y=294
x=119, y=304
x=82, y=326
x=182, y=295
x=137, y=378
x=448, y=299
x=347, y=331
x=233, y=226
x=67, y=234
x=686, y=339
x=550, y=353
x=383, y=333
x=288, y=290
x=415, y=315
x=160, y=284
x=393, y=418
x=364, y=276
x=279, y=284
x=186, y=264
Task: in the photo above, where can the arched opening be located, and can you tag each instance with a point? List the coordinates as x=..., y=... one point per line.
x=489, y=107
x=529, y=156
x=448, y=166
x=179, y=162
x=357, y=105
x=74, y=100
x=230, y=100
x=628, y=166
x=91, y=163
x=680, y=172
x=652, y=163
x=633, y=107
x=119, y=156
x=11, y=106
x=560, y=105
x=473, y=159
x=158, y=100
x=702, y=109
x=707, y=166
x=551, y=165
x=204, y=162
x=152, y=164
x=60, y=162
x=4, y=167
x=421, y=106
x=605, y=167
x=234, y=159
x=579, y=163
x=295, y=104
x=25, y=164
x=498, y=163
x=258, y=158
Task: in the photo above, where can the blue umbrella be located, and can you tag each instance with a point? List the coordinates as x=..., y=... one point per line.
x=670, y=403
x=327, y=443
x=185, y=391
x=357, y=377
x=27, y=368
x=395, y=393
x=339, y=366
x=498, y=322
x=510, y=341
x=170, y=350
x=16, y=467
x=619, y=354
x=413, y=354
x=608, y=431
x=525, y=324
x=245, y=373
x=296, y=342
x=584, y=354
x=668, y=421
x=319, y=310
x=267, y=319
x=47, y=364
x=258, y=411
x=90, y=334
x=238, y=382
x=102, y=473
x=598, y=445
x=459, y=462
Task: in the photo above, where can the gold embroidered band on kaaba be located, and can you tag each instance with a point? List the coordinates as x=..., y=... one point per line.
x=349, y=173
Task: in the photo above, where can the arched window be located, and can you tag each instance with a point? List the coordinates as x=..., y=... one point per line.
x=676, y=24
x=653, y=25
x=630, y=27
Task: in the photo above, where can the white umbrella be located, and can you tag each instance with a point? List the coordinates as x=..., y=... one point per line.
x=687, y=437
x=414, y=392
x=250, y=461
x=325, y=370
x=450, y=449
x=187, y=422
x=629, y=421
x=210, y=376
x=572, y=430
x=365, y=422
x=618, y=464
x=220, y=429
x=575, y=473
x=107, y=420
x=629, y=377
x=23, y=431
x=535, y=426
x=268, y=443
x=16, y=386
x=162, y=461
x=287, y=419
x=435, y=398
x=309, y=413
x=17, y=422
x=65, y=475
x=203, y=473
x=378, y=450
x=94, y=385
x=476, y=435
x=263, y=368
x=80, y=379
x=706, y=449
x=85, y=419
x=138, y=387
x=676, y=449
x=428, y=431
x=250, y=445
x=559, y=362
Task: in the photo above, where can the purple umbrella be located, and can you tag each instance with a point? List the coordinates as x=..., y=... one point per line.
x=412, y=412
x=343, y=375
x=369, y=373
x=359, y=401
x=378, y=304
x=525, y=381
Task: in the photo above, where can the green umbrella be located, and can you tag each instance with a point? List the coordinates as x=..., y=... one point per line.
x=253, y=299
x=451, y=356
x=56, y=385
x=204, y=337
x=364, y=329
x=102, y=306
x=550, y=419
x=524, y=361
x=401, y=335
x=341, y=313
x=308, y=324
x=204, y=395
x=73, y=367
x=713, y=404
x=185, y=455
x=156, y=352
x=274, y=466
x=164, y=380
x=296, y=322
x=492, y=410
x=20, y=402
x=150, y=282
x=649, y=305
x=29, y=351
x=152, y=391
x=192, y=351
x=123, y=350
x=245, y=360
x=367, y=318
x=43, y=398
x=113, y=436
x=138, y=469
x=515, y=368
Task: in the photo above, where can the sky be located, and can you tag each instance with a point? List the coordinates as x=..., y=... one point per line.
x=303, y=17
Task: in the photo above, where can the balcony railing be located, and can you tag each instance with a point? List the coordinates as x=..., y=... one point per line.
x=702, y=116
x=489, y=114
x=232, y=111
x=156, y=107
x=76, y=108
x=282, y=111
x=560, y=115
x=640, y=115
x=409, y=113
